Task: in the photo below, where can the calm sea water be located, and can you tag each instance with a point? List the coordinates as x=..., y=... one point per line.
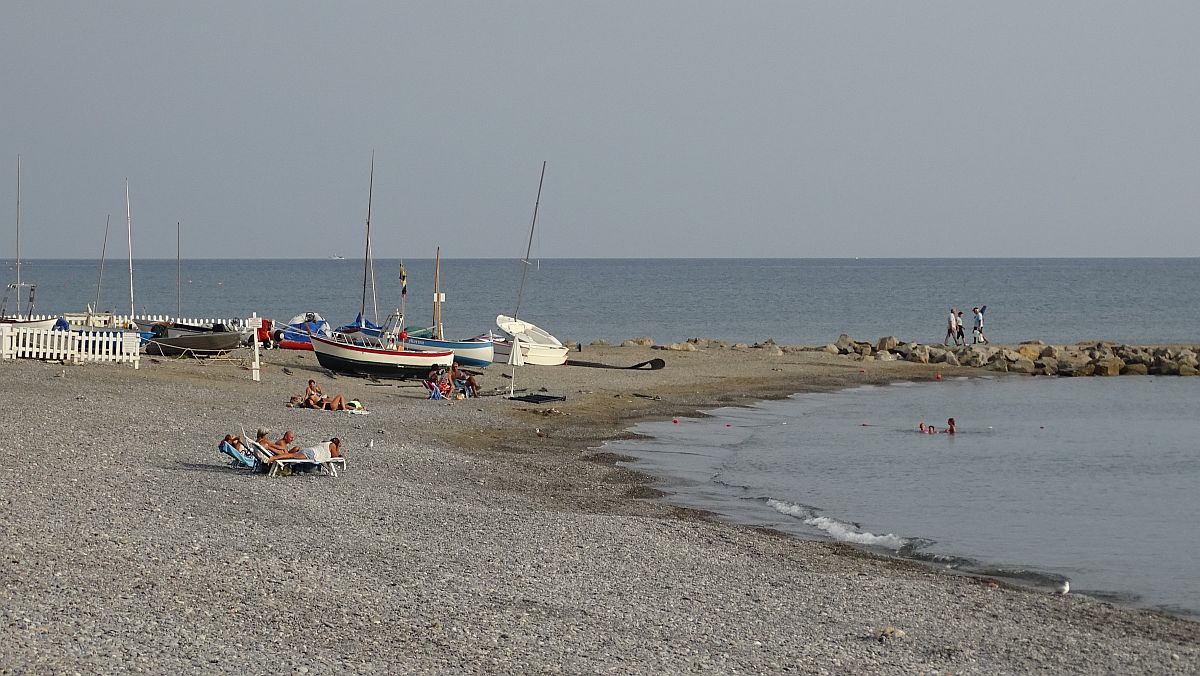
x=792, y=301
x=1091, y=480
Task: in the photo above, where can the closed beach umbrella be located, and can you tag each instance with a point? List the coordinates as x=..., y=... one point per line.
x=516, y=359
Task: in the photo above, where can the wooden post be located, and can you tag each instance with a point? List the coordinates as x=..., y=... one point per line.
x=255, y=325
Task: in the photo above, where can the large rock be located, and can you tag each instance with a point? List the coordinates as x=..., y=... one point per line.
x=1050, y=351
x=644, y=341
x=886, y=343
x=950, y=359
x=1107, y=367
x=998, y=364
x=1185, y=370
x=1164, y=367
x=1075, y=368
x=1135, y=369
x=1031, y=351
x=1022, y=366
x=937, y=355
x=1047, y=366
x=831, y=349
x=884, y=355
x=919, y=355
x=1010, y=355
x=843, y=343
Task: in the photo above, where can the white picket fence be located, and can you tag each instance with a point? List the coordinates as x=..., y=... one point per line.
x=114, y=347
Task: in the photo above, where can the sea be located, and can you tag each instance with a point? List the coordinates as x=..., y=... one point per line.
x=1091, y=480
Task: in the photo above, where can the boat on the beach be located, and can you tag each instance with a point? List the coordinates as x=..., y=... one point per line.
x=538, y=347
x=478, y=351
x=380, y=356
x=173, y=340
x=294, y=335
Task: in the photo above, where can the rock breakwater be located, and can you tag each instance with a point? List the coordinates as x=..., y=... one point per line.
x=1033, y=357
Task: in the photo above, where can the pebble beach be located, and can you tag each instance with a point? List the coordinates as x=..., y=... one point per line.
x=481, y=535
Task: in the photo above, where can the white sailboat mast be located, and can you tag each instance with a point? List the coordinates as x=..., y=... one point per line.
x=368, y=267
x=129, y=241
x=18, y=235
x=103, y=250
x=529, y=247
x=437, y=295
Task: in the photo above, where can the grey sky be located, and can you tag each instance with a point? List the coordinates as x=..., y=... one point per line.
x=671, y=129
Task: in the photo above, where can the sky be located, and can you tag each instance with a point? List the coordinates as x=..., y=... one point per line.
x=670, y=129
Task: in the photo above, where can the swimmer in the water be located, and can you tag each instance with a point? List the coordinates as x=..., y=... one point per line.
x=950, y=426
x=921, y=428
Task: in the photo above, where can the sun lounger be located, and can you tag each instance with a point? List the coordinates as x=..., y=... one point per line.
x=327, y=463
x=239, y=459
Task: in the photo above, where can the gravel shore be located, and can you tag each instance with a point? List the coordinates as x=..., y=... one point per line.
x=483, y=535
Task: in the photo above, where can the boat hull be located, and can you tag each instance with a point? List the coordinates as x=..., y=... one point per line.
x=30, y=323
x=474, y=352
x=376, y=361
x=194, y=345
x=538, y=348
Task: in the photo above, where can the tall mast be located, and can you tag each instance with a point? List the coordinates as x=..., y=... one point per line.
x=129, y=240
x=103, y=248
x=437, y=295
x=177, y=294
x=18, y=235
x=362, y=312
x=529, y=248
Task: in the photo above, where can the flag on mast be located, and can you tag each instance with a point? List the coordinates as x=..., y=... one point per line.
x=403, y=280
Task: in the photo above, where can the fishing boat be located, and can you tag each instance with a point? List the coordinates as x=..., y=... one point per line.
x=382, y=356
x=478, y=351
x=172, y=340
x=16, y=320
x=538, y=347
x=294, y=335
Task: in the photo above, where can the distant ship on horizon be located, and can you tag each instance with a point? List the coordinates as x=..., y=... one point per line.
x=336, y=257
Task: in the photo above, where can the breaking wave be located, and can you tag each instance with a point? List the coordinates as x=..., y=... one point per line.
x=839, y=530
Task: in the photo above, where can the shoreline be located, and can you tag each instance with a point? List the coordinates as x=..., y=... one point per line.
x=538, y=535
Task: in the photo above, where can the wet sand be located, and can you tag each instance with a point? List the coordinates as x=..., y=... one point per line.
x=478, y=535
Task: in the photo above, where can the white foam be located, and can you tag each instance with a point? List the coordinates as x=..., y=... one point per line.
x=838, y=530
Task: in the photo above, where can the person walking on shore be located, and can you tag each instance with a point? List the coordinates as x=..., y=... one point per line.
x=962, y=337
x=978, y=330
x=951, y=329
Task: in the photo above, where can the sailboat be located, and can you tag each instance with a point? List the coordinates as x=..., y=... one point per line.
x=538, y=347
x=178, y=340
x=15, y=320
x=477, y=351
x=359, y=350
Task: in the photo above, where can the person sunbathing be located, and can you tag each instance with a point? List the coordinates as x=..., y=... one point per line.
x=234, y=441
x=314, y=397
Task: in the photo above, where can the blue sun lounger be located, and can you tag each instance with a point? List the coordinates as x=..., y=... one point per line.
x=239, y=460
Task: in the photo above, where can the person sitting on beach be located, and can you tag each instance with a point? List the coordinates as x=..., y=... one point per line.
x=950, y=426
x=314, y=397
x=463, y=380
x=438, y=379
x=276, y=448
x=235, y=441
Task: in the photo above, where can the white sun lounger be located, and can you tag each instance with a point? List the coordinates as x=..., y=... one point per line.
x=327, y=463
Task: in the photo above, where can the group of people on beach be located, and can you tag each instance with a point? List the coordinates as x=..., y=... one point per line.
x=954, y=327
x=452, y=383
x=930, y=429
x=266, y=451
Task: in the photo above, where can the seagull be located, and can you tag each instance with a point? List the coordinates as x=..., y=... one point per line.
x=1065, y=587
x=538, y=431
x=370, y=443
